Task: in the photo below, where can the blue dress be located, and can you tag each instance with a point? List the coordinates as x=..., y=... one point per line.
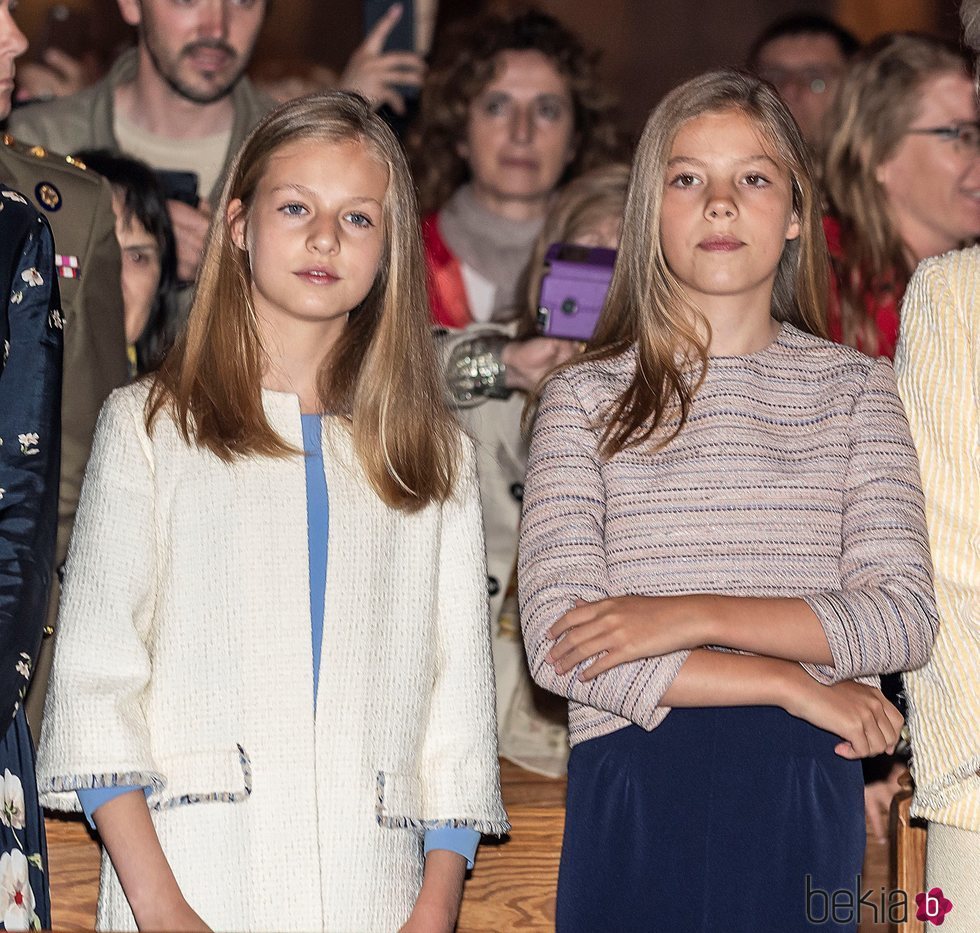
x=756, y=787
x=30, y=437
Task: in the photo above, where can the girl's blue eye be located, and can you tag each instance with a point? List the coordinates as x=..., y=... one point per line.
x=755, y=180
x=293, y=210
x=685, y=180
x=360, y=220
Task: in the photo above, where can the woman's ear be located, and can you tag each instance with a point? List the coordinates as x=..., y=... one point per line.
x=793, y=230
x=235, y=218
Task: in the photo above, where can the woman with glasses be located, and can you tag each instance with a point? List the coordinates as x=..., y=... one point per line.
x=902, y=178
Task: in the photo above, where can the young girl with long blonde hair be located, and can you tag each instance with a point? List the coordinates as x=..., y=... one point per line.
x=714, y=474
x=290, y=469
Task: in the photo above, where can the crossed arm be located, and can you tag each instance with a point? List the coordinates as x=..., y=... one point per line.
x=632, y=655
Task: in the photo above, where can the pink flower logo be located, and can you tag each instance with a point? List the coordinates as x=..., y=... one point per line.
x=933, y=906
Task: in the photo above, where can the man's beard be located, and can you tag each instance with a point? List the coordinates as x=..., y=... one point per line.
x=191, y=93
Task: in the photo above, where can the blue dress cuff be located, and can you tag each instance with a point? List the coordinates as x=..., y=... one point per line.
x=459, y=839
x=91, y=798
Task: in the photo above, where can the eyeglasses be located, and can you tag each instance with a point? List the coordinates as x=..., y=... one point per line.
x=965, y=137
x=816, y=80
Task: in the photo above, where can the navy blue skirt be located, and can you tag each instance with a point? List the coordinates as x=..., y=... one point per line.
x=722, y=820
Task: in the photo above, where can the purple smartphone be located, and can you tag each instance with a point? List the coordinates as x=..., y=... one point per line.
x=573, y=290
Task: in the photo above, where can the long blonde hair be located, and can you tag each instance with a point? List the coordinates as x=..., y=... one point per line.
x=647, y=306
x=381, y=377
x=875, y=105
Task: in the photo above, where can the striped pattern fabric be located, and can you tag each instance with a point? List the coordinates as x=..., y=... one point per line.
x=794, y=476
x=938, y=367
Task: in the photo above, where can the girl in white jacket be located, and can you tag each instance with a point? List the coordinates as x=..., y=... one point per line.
x=243, y=774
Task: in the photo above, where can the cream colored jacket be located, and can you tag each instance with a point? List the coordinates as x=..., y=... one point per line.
x=938, y=367
x=184, y=664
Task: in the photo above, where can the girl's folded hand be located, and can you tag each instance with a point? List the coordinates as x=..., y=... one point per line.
x=861, y=715
x=623, y=628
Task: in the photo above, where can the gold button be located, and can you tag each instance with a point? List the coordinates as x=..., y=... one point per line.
x=38, y=152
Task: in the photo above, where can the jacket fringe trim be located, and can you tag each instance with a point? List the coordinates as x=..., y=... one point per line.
x=487, y=827
x=157, y=783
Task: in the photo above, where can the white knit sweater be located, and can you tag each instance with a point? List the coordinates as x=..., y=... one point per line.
x=184, y=663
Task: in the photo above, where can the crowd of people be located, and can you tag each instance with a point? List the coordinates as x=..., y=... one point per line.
x=353, y=522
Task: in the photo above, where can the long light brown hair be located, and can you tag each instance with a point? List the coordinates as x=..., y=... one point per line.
x=467, y=61
x=647, y=307
x=381, y=376
x=877, y=101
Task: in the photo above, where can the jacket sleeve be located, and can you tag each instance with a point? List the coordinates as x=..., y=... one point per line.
x=30, y=395
x=459, y=767
x=95, y=357
x=562, y=558
x=883, y=618
x=95, y=732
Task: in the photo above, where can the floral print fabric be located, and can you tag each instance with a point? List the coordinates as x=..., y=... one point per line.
x=30, y=394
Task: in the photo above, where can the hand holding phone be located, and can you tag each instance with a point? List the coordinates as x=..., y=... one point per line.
x=384, y=68
x=573, y=290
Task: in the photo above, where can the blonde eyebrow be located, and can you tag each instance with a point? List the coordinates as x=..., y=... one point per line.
x=691, y=160
x=310, y=193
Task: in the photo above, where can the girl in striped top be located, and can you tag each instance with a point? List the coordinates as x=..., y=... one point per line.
x=722, y=547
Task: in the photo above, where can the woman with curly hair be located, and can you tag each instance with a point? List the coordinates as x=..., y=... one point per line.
x=902, y=177
x=511, y=110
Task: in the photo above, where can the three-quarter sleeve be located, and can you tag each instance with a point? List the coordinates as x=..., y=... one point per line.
x=562, y=558
x=883, y=618
x=95, y=731
x=458, y=763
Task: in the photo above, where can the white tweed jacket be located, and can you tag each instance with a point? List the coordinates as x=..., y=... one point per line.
x=184, y=664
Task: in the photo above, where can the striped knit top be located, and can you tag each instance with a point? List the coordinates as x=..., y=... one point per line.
x=938, y=368
x=794, y=476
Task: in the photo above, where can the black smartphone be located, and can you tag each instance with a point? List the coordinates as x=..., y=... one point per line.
x=179, y=186
x=401, y=38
